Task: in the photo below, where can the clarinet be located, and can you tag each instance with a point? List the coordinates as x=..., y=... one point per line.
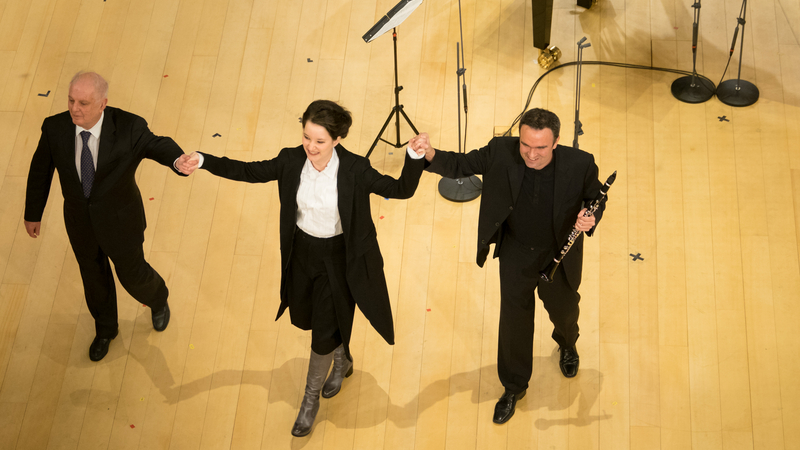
x=549, y=272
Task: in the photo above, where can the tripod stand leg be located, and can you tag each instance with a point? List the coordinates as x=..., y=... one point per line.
x=397, y=143
x=378, y=137
x=409, y=123
x=399, y=110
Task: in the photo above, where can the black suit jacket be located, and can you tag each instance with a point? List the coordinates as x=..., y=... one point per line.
x=114, y=213
x=502, y=167
x=356, y=180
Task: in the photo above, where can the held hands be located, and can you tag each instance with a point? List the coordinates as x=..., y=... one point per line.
x=584, y=223
x=421, y=144
x=187, y=164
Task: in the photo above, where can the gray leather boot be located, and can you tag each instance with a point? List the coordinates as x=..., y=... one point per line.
x=342, y=368
x=318, y=367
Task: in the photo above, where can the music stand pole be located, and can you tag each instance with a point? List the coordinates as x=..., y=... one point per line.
x=397, y=110
x=738, y=92
x=692, y=88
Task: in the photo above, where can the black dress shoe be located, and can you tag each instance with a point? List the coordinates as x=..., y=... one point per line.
x=569, y=361
x=161, y=318
x=99, y=347
x=504, y=408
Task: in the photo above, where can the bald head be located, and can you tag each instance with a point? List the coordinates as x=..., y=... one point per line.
x=88, y=96
x=100, y=84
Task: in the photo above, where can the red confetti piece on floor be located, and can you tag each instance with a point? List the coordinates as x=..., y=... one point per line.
x=381, y=217
x=165, y=76
x=133, y=426
x=429, y=310
x=152, y=198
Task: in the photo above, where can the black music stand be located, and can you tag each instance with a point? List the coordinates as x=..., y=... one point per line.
x=390, y=21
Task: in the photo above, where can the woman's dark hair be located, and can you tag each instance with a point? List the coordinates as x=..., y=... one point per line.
x=539, y=119
x=335, y=119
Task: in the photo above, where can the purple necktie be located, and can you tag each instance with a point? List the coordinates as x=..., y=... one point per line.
x=87, y=165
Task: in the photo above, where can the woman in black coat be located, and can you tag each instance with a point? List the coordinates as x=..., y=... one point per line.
x=329, y=248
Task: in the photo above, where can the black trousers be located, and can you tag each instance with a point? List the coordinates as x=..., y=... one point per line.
x=319, y=297
x=519, y=278
x=141, y=281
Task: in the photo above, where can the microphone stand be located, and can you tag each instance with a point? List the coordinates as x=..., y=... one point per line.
x=738, y=92
x=456, y=190
x=692, y=88
x=578, y=125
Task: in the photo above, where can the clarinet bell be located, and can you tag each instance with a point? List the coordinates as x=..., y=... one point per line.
x=549, y=272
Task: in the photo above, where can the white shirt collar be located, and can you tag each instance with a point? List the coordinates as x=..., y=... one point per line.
x=95, y=130
x=329, y=171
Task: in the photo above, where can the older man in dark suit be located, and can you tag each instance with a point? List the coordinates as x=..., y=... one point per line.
x=534, y=191
x=96, y=150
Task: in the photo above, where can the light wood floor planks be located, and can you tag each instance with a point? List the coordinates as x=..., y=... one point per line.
x=695, y=346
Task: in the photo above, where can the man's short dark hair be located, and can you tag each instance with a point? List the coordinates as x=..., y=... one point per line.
x=539, y=119
x=329, y=115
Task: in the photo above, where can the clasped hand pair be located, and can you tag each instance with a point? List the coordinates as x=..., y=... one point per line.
x=421, y=144
x=187, y=164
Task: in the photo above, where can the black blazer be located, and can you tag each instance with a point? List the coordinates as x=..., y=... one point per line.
x=356, y=180
x=114, y=213
x=502, y=167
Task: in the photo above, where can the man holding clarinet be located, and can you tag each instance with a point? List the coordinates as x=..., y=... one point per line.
x=535, y=194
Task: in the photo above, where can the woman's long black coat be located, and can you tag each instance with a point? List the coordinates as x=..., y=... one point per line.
x=356, y=181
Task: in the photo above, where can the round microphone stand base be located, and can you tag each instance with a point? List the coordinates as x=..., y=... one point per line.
x=683, y=90
x=737, y=93
x=461, y=189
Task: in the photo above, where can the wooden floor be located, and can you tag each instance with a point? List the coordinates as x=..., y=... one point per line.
x=695, y=345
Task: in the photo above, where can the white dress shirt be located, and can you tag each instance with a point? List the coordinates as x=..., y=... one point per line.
x=94, y=143
x=318, y=199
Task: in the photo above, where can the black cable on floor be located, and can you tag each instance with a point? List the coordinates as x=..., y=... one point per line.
x=592, y=63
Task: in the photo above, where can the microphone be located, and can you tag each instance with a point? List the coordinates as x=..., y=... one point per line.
x=464, y=86
x=695, y=25
x=733, y=42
